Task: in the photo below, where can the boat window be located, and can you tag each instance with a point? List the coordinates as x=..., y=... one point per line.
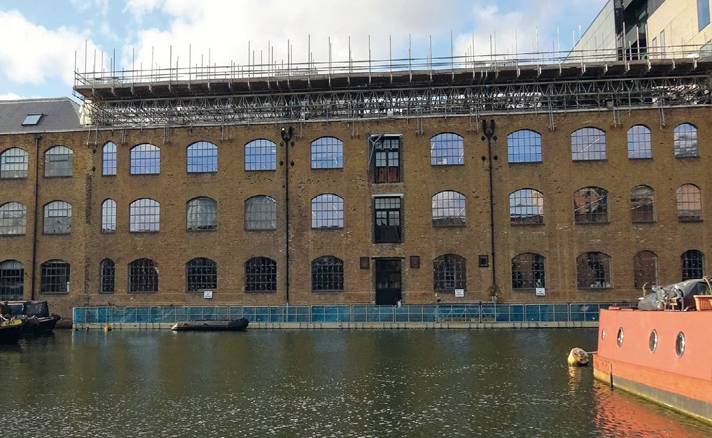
x=680, y=343
x=619, y=338
x=653, y=341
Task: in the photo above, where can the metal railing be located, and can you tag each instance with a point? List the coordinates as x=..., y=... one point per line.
x=346, y=314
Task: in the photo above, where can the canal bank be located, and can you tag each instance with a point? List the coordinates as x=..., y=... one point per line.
x=438, y=316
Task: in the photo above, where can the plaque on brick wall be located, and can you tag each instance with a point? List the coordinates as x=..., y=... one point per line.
x=540, y=292
x=208, y=295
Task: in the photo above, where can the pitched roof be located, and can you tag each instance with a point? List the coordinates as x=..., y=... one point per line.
x=58, y=114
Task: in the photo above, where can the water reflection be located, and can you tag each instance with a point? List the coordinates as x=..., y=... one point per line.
x=317, y=383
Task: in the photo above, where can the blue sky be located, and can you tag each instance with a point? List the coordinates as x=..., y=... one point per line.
x=41, y=36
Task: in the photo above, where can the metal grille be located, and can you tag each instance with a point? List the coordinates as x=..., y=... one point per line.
x=327, y=153
x=13, y=219
x=387, y=220
x=685, y=139
x=447, y=149
x=591, y=206
x=202, y=214
x=639, y=143
x=327, y=211
x=327, y=274
x=13, y=164
x=144, y=216
x=593, y=271
x=528, y=271
x=58, y=162
x=202, y=157
x=108, y=276
x=143, y=276
x=58, y=218
x=689, y=203
x=54, y=277
x=449, y=273
x=449, y=209
x=260, y=213
x=108, y=216
x=145, y=159
x=645, y=268
x=524, y=146
x=693, y=264
x=588, y=144
x=260, y=154
x=108, y=159
x=386, y=160
x=12, y=279
x=642, y=204
x=260, y=275
x=526, y=207
x=201, y=274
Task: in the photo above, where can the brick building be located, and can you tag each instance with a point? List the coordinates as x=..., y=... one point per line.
x=360, y=188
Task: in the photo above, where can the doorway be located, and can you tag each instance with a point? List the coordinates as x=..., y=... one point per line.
x=388, y=282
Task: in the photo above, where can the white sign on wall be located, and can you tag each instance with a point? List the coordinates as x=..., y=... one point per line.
x=459, y=293
x=208, y=294
x=540, y=292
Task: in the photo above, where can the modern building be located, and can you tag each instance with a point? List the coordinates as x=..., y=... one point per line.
x=680, y=23
x=535, y=184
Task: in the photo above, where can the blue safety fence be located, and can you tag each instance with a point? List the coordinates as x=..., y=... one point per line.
x=414, y=313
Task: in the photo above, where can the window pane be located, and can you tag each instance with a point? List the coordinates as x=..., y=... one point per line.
x=593, y=271
x=57, y=218
x=387, y=220
x=642, y=204
x=327, y=153
x=588, y=144
x=202, y=214
x=108, y=276
x=108, y=216
x=327, y=211
x=703, y=14
x=526, y=207
x=449, y=209
x=13, y=219
x=54, y=277
x=13, y=164
x=693, y=265
x=58, y=161
x=447, y=149
x=109, y=159
x=327, y=274
x=202, y=157
x=524, y=146
x=639, y=143
x=591, y=206
x=260, y=275
x=201, y=274
x=689, y=203
x=260, y=154
x=449, y=273
x=143, y=276
x=12, y=279
x=145, y=160
x=528, y=271
x=685, y=138
x=261, y=213
x=386, y=159
x=144, y=216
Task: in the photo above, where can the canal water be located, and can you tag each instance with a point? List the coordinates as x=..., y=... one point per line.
x=317, y=383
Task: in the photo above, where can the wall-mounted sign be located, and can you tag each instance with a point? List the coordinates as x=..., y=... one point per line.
x=540, y=292
x=208, y=294
x=459, y=293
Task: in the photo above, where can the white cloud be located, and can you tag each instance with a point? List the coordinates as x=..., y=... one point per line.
x=34, y=54
x=101, y=6
x=10, y=96
x=139, y=8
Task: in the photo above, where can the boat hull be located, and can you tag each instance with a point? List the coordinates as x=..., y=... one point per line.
x=10, y=333
x=211, y=326
x=660, y=374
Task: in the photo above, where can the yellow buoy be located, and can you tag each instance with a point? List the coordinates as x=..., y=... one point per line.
x=578, y=358
x=107, y=328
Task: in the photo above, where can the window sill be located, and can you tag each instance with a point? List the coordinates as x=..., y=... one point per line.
x=15, y=178
x=210, y=230
x=527, y=289
x=327, y=168
x=516, y=163
x=460, y=225
x=145, y=174
x=108, y=232
x=147, y=292
x=689, y=221
x=144, y=232
x=260, y=170
x=592, y=223
x=327, y=291
x=595, y=289
x=110, y=175
x=207, y=172
x=327, y=228
x=57, y=234
x=13, y=235
x=58, y=176
x=55, y=293
x=686, y=157
x=264, y=230
x=640, y=158
x=388, y=243
x=448, y=292
x=522, y=224
x=106, y=293
x=447, y=165
x=260, y=292
x=590, y=160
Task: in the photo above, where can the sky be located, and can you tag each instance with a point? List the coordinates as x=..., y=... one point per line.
x=43, y=40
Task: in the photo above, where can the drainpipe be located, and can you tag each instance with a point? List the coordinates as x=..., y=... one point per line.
x=489, y=134
x=38, y=139
x=286, y=134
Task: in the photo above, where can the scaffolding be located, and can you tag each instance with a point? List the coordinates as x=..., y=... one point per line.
x=542, y=82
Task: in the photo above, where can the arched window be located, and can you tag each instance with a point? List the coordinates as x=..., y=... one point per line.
x=449, y=209
x=685, y=139
x=524, y=146
x=260, y=154
x=327, y=211
x=689, y=203
x=13, y=164
x=588, y=144
x=108, y=216
x=528, y=271
x=201, y=274
x=202, y=157
x=202, y=214
x=107, y=271
x=144, y=216
x=591, y=205
x=639, y=143
x=327, y=153
x=449, y=273
x=58, y=218
x=260, y=213
x=526, y=207
x=447, y=149
x=260, y=275
x=642, y=204
x=145, y=159
x=143, y=276
x=13, y=219
x=593, y=271
x=54, y=277
x=693, y=264
x=12, y=280
x=108, y=159
x=58, y=161
x=645, y=269
x=327, y=274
